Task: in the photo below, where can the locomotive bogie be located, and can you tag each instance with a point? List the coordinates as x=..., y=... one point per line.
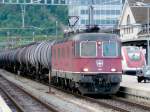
x=89, y=84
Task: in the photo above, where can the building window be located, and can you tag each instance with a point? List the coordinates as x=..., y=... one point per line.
x=97, y=22
x=84, y=11
x=132, y=29
x=87, y=22
x=83, y=21
x=117, y=12
x=128, y=20
x=107, y=12
x=102, y=21
x=103, y=12
x=124, y=30
x=113, y=12
x=98, y=12
x=107, y=21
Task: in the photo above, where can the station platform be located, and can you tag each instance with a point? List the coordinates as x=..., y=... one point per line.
x=130, y=86
x=3, y=106
x=131, y=82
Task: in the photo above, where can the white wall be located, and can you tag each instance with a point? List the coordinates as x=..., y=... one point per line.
x=128, y=32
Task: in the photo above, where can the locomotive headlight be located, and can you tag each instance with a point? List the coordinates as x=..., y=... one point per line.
x=113, y=70
x=99, y=43
x=85, y=69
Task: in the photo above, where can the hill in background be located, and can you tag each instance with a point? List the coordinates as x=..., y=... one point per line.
x=42, y=17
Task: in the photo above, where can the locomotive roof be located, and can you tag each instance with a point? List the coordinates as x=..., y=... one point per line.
x=90, y=37
x=95, y=36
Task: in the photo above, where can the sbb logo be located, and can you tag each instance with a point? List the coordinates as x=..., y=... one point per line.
x=99, y=63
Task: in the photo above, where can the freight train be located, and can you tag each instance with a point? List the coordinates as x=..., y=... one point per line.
x=88, y=63
x=133, y=59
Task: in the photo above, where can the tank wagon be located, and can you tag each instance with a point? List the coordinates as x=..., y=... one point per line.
x=89, y=63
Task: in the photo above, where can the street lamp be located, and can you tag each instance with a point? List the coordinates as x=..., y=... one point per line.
x=148, y=37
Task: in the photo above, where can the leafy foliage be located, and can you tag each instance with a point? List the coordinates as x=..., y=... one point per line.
x=41, y=17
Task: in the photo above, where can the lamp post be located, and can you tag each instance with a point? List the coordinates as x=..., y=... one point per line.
x=148, y=49
x=91, y=15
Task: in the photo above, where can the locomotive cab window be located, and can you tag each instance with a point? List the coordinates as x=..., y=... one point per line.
x=110, y=49
x=88, y=49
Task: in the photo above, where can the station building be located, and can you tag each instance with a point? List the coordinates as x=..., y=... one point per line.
x=134, y=25
x=134, y=20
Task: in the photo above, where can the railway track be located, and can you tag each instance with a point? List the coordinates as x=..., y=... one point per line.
x=9, y=101
x=113, y=102
x=23, y=101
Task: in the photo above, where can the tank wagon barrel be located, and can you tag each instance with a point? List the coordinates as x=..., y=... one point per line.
x=35, y=55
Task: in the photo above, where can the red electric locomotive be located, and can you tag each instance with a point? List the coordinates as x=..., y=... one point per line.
x=89, y=63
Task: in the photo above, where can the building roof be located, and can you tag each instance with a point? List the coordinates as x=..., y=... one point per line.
x=139, y=13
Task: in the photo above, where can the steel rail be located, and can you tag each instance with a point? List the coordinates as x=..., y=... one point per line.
x=17, y=105
x=145, y=107
x=101, y=103
x=93, y=100
x=113, y=97
x=50, y=107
